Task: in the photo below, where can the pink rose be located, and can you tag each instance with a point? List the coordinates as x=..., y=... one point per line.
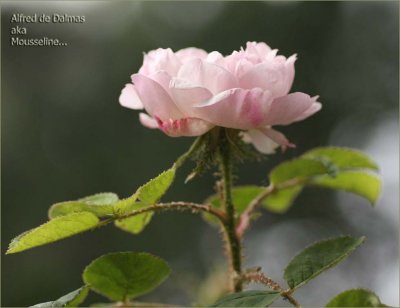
x=188, y=92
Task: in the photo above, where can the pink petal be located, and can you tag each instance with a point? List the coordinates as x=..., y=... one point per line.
x=315, y=107
x=291, y=108
x=236, y=108
x=129, y=97
x=238, y=63
x=186, y=95
x=184, y=127
x=216, y=58
x=259, y=49
x=277, y=137
x=160, y=60
x=271, y=55
x=191, y=53
x=156, y=100
x=262, y=143
x=289, y=65
x=273, y=75
x=163, y=79
x=147, y=121
x=266, y=140
x=242, y=67
x=208, y=75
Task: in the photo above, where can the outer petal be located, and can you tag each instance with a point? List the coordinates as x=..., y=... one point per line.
x=155, y=99
x=277, y=137
x=262, y=143
x=236, y=108
x=184, y=127
x=187, y=95
x=129, y=97
x=163, y=79
x=315, y=107
x=291, y=108
x=147, y=121
x=208, y=75
x=266, y=140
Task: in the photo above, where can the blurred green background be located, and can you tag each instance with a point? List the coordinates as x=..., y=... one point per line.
x=65, y=136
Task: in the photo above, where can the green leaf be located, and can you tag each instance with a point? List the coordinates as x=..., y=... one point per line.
x=280, y=201
x=301, y=168
x=137, y=223
x=148, y=194
x=54, y=230
x=319, y=257
x=73, y=299
x=332, y=167
x=361, y=183
x=343, y=158
x=241, y=196
x=101, y=205
x=124, y=275
x=134, y=224
x=248, y=299
x=126, y=205
x=356, y=298
x=277, y=202
x=152, y=191
x=101, y=199
x=77, y=298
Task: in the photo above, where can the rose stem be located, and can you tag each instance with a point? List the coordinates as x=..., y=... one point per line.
x=233, y=242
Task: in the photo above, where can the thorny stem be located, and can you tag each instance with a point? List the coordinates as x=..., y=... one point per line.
x=245, y=217
x=233, y=241
x=194, y=207
x=261, y=278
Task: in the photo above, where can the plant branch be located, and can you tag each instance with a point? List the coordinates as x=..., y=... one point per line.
x=245, y=217
x=194, y=207
x=261, y=278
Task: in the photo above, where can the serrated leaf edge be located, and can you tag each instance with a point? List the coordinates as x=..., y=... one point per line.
x=138, y=191
x=330, y=265
x=16, y=239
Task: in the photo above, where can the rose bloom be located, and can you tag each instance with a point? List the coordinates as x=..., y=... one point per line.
x=188, y=92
